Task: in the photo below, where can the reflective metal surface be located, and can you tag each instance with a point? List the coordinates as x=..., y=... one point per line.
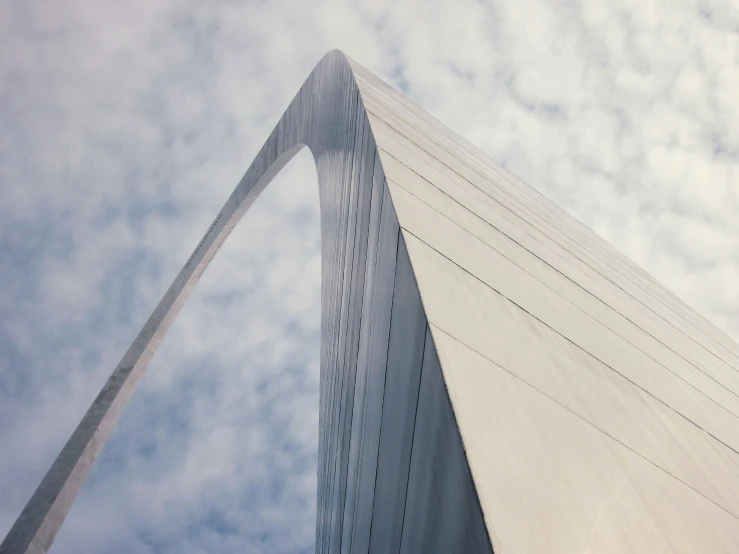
x=494, y=376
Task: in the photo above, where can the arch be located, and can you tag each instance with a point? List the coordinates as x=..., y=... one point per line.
x=490, y=368
x=370, y=376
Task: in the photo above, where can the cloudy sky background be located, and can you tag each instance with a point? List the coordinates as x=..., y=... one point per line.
x=124, y=126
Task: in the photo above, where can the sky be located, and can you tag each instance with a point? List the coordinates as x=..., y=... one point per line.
x=124, y=126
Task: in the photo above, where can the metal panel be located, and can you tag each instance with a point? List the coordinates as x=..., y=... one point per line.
x=536, y=238
x=553, y=310
x=628, y=407
x=442, y=511
x=371, y=368
x=381, y=99
x=439, y=145
x=550, y=482
x=403, y=374
x=540, y=262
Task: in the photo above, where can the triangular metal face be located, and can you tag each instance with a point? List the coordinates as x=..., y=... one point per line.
x=598, y=412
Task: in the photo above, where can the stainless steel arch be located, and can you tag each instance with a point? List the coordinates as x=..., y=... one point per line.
x=492, y=372
x=360, y=240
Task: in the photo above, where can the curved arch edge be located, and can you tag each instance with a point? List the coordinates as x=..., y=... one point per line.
x=375, y=349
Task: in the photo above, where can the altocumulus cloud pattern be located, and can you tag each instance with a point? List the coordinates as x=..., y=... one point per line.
x=494, y=376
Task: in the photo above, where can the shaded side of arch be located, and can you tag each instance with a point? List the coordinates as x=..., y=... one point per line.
x=392, y=471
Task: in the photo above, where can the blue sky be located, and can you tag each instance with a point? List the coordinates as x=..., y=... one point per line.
x=124, y=126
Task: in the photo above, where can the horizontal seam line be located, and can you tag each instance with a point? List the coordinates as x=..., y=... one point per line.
x=576, y=345
x=709, y=376
x=534, y=387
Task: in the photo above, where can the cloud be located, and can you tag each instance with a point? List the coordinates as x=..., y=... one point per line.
x=124, y=127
